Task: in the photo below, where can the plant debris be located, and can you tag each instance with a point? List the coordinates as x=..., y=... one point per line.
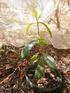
x=13, y=69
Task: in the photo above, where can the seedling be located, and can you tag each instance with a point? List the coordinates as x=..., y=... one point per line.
x=41, y=58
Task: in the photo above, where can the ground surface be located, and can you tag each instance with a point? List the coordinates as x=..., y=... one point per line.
x=11, y=77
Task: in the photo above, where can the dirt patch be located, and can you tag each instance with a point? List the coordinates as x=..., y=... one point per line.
x=12, y=78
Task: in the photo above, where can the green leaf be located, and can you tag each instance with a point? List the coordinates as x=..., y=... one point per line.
x=34, y=12
x=50, y=62
x=26, y=50
x=39, y=72
x=34, y=58
x=47, y=26
x=42, y=42
x=31, y=44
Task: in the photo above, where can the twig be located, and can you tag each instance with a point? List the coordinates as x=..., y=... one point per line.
x=57, y=18
x=7, y=79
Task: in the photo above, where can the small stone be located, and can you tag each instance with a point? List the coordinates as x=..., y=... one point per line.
x=15, y=86
x=40, y=85
x=42, y=81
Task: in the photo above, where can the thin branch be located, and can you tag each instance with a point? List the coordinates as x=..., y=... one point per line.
x=8, y=78
x=57, y=18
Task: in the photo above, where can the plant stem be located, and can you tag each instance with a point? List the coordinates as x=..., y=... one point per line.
x=37, y=25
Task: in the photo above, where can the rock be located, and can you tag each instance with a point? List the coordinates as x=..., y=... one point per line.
x=13, y=22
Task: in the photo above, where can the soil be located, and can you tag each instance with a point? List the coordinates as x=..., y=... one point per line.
x=12, y=68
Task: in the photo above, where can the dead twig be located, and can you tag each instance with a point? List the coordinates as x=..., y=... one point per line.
x=57, y=18
x=7, y=79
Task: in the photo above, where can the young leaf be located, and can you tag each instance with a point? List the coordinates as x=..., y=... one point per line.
x=34, y=13
x=42, y=42
x=50, y=62
x=26, y=50
x=34, y=58
x=39, y=72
